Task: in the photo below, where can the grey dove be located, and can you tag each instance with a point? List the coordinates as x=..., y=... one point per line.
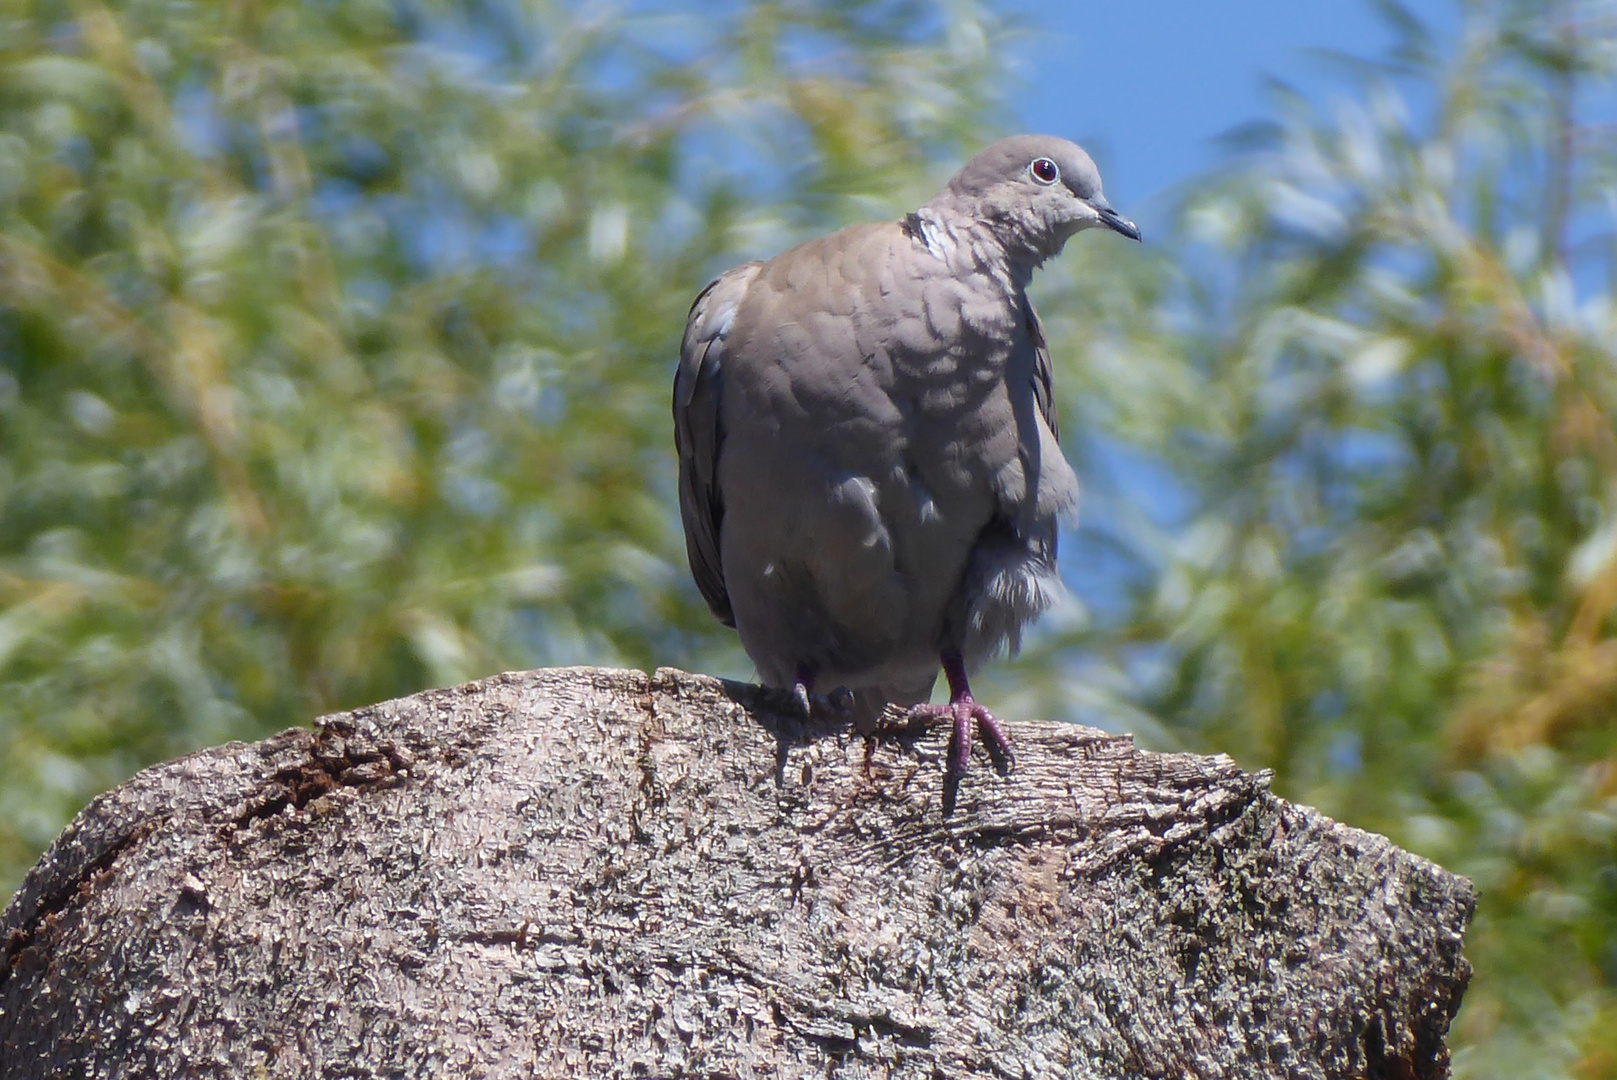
x=869, y=472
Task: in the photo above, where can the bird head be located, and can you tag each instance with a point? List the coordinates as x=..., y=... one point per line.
x=1035, y=190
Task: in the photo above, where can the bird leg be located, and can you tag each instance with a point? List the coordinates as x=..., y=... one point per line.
x=839, y=700
x=962, y=710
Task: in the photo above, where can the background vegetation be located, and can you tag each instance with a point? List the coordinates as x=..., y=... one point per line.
x=335, y=343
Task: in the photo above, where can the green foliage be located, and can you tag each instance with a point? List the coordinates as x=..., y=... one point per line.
x=335, y=339
x=335, y=343
x=1378, y=379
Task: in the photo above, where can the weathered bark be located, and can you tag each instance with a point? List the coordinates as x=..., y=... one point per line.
x=596, y=873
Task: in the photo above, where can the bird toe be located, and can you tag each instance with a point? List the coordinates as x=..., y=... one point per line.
x=803, y=700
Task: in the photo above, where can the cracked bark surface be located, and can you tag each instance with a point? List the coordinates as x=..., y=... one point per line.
x=583, y=872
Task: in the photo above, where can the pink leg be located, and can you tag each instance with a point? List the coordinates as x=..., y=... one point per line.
x=962, y=710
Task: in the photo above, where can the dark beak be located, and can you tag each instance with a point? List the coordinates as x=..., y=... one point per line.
x=1115, y=221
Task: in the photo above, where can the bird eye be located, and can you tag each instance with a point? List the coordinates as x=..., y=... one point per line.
x=1044, y=171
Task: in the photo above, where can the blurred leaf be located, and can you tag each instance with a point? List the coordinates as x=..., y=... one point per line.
x=1373, y=394
x=335, y=340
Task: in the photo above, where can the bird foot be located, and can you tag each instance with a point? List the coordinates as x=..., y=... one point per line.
x=814, y=706
x=961, y=712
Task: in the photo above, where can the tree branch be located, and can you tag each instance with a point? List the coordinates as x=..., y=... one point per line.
x=586, y=872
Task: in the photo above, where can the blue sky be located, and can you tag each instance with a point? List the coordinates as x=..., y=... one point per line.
x=1147, y=86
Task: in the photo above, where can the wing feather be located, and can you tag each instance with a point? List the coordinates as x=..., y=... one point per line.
x=699, y=433
x=1043, y=388
x=1043, y=396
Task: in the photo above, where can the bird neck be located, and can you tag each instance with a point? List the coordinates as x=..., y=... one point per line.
x=967, y=245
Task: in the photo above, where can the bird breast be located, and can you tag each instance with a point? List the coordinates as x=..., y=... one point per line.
x=874, y=355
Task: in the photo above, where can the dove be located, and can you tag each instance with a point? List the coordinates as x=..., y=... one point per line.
x=870, y=477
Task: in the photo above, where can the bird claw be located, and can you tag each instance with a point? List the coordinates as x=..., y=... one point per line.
x=812, y=706
x=961, y=712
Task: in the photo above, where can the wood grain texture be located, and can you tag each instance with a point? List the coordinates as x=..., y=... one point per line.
x=583, y=872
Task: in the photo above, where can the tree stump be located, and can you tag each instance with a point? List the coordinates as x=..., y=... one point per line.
x=591, y=873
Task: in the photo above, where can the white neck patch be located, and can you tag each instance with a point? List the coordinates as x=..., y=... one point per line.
x=936, y=236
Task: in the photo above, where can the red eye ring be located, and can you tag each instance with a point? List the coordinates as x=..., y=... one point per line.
x=1044, y=171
